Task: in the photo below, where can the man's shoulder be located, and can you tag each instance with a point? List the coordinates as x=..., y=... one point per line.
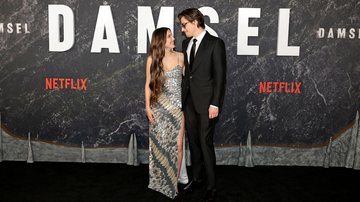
x=212, y=37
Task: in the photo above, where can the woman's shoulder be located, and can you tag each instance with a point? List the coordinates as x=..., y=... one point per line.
x=179, y=53
x=149, y=58
x=148, y=61
x=180, y=58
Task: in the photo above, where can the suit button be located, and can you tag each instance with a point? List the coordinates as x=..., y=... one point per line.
x=190, y=77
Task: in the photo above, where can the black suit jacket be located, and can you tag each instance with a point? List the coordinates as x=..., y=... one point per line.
x=206, y=80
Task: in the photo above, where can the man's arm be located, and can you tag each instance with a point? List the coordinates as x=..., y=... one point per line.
x=219, y=72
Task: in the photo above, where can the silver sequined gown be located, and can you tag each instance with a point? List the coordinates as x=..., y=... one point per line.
x=164, y=134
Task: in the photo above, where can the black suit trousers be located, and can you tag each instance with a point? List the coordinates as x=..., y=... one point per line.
x=200, y=133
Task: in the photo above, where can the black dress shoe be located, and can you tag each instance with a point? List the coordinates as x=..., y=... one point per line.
x=209, y=196
x=180, y=187
x=191, y=186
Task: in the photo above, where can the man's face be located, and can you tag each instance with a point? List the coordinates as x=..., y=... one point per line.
x=187, y=27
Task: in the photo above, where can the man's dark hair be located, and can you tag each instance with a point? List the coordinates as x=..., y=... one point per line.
x=192, y=14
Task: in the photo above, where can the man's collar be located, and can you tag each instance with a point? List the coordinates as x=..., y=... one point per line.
x=200, y=36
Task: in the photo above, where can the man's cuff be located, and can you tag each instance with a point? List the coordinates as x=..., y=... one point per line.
x=214, y=106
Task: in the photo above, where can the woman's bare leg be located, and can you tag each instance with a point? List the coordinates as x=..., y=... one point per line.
x=180, y=144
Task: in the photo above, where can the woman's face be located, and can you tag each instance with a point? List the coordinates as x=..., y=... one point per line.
x=170, y=40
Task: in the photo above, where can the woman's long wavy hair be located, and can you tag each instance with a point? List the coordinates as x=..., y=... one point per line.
x=157, y=53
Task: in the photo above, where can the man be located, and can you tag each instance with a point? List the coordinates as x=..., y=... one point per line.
x=202, y=95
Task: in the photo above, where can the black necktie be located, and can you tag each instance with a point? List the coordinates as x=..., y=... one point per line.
x=192, y=53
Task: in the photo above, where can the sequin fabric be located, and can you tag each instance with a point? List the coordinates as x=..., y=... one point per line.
x=163, y=135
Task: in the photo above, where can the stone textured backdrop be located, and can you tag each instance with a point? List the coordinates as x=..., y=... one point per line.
x=112, y=108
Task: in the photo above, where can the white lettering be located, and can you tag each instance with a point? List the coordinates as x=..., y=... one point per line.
x=26, y=29
x=331, y=33
x=341, y=32
x=10, y=28
x=146, y=25
x=18, y=28
x=213, y=16
x=244, y=31
x=55, y=11
x=283, y=35
x=352, y=33
x=105, y=24
x=321, y=33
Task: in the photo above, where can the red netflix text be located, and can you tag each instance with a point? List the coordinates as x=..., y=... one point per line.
x=65, y=83
x=280, y=87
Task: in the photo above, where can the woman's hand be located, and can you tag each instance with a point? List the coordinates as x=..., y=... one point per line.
x=150, y=115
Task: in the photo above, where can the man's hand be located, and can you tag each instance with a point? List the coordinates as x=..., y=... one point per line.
x=213, y=112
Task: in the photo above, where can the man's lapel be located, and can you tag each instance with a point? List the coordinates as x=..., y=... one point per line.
x=200, y=52
x=185, y=46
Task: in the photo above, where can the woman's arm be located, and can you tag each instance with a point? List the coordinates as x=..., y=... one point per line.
x=149, y=112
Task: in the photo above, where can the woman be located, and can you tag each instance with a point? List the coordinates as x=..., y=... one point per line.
x=164, y=68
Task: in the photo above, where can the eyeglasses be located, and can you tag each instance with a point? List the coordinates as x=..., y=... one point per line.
x=184, y=25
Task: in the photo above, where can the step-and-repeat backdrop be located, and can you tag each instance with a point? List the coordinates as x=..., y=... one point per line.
x=72, y=73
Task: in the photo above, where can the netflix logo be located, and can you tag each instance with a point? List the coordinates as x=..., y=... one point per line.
x=65, y=83
x=280, y=87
